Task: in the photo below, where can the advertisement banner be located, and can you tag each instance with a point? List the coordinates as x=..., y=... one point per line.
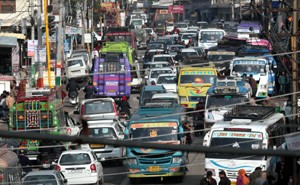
x=15, y=59
x=31, y=46
x=72, y=30
x=176, y=9
x=41, y=53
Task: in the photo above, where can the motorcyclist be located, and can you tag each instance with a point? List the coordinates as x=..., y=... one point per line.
x=175, y=30
x=124, y=106
x=73, y=87
x=198, y=117
x=89, y=90
x=178, y=57
x=25, y=162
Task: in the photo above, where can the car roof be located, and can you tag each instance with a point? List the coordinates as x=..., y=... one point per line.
x=172, y=74
x=153, y=87
x=155, y=63
x=165, y=95
x=188, y=50
x=42, y=172
x=76, y=151
x=161, y=69
x=97, y=99
x=162, y=55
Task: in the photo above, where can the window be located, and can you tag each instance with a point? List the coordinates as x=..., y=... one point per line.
x=8, y=6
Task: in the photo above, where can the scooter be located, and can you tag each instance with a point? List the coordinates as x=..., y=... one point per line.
x=73, y=97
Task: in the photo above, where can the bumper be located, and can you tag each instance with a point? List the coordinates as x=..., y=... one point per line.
x=166, y=174
x=83, y=179
x=115, y=153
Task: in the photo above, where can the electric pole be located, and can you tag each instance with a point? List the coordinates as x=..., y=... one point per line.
x=40, y=43
x=83, y=14
x=32, y=79
x=60, y=36
x=92, y=29
x=294, y=48
x=47, y=43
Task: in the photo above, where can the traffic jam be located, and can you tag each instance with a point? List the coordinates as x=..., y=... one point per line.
x=158, y=80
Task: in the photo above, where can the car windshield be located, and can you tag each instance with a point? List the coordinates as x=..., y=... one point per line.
x=155, y=46
x=153, y=133
x=211, y=35
x=233, y=140
x=159, y=65
x=162, y=59
x=98, y=107
x=137, y=22
x=182, y=25
x=75, y=63
x=102, y=132
x=248, y=68
x=176, y=48
x=85, y=56
x=166, y=80
x=189, y=53
x=219, y=57
x=155, y=73
x=187, y=36
x=224, y=100
x=73, y=159
x=197, y=79
x=148, y=94
x=39, y=180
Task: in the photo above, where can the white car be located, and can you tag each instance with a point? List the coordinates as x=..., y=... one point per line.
x=187, y=52
x=157, y=65
x=169, y=81
x=153, y=74
x=182, y=26
x=80, y=167
x=185, y=37
x=163, y=58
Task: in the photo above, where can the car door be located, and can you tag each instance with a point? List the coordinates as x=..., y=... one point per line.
x=98, y=165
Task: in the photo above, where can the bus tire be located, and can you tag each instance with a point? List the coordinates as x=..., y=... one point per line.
x=178, y=179
x=134, y=180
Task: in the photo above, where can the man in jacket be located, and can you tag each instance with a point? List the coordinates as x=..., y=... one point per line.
x=89, y=90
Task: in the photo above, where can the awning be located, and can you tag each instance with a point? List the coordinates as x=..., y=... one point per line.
x=8, y=41
x=18, y=35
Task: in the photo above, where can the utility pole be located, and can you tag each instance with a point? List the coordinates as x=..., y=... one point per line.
x=294, y=48
x=40, y=65
x=60, y=34
x=83, y=13
x=92, y=29
x=232, y=10
x=47, y=42
x=32, y=79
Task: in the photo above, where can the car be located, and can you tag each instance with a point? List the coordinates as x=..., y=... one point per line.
x=97, y=109
x=163, y=58
x=150, y=31
x=166, y=96
x=173, y=49
x=200, y=50
x=202, y=24
x=80, y=167
x=148, y=91
x=185, y=37
x=153, y=74
x=156, y=65
x=157, y=45
x=169, y=81
x=76, y=68
x=182, y=26
x=187, y=52
x=108, y=129
x=45, y=177
x=86, y=57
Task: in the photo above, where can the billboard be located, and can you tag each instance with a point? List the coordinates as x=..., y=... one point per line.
x=176, y=9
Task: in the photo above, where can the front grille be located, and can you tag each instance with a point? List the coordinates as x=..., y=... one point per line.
x=153, y=161
x=112, y=67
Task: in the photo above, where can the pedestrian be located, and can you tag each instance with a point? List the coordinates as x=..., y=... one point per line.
x=89, y=90
x=242, y=178
x=208, y=179
x=262, y=180
x=283, y=81
x=13, y=90
x=187, y=128
x=124, y=106
x=25, y=162
x=268, y=102
x=254, y=175
x=223, y=178
x=10, y=101
x=253, y=85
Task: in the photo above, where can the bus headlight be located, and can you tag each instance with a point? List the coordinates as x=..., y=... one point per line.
x=131, y=161
x=177, y=160
x=101, y=68
x=122, y=68
x=183, y=99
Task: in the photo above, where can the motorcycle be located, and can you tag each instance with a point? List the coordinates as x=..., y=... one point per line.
x=123, y=117
x=73, y=97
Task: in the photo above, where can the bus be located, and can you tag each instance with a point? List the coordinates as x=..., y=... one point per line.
x=112, y=76
x=245, y=127
x=10, y=168
x=151, y=123
x=37, y=110
x=260, y=69
x=210, y=37
x=221, y=61
x=161, y=17
x=193, y=84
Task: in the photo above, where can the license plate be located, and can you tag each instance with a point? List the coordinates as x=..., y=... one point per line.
x=96, y=145
x=75, y=171
x=111, y=91
x=154, y=168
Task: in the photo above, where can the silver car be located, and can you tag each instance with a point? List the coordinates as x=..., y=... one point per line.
x=46, y=177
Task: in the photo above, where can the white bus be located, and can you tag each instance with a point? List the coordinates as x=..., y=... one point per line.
x=245, y=127
x=210, y=37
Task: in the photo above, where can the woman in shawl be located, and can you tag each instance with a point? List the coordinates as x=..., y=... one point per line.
x=242, y=179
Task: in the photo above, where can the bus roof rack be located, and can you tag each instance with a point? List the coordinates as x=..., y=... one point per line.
x=249, y=112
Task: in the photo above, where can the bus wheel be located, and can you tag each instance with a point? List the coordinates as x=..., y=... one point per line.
x=178, y=179
x=134, y=180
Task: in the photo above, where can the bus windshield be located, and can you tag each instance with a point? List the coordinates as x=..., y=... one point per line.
x=211, y=35
x=152, y=134
x=235, y=139
x=244, y=68
x=120, y=38
x=214, y=101
x=197, y=79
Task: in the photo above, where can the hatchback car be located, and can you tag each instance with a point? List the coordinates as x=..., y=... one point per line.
x=169, y=81
x=80, y=167
x=163, y=58
x=151, y=79
x=45, y=177
x=108, y=129
x=97, y=109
